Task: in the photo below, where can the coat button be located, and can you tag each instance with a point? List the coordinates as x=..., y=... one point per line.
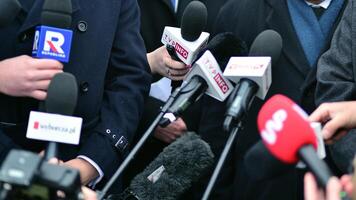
x=23, y=37
x=84, y=87
x=82, y=26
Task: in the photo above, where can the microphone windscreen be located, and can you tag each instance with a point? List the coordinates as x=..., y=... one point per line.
x=267, y=43
x=194, y=20
x=174, y=170
x=57, y=13
x=62, y=94
x=284, y=128
x=9, y=9
x=261, y=165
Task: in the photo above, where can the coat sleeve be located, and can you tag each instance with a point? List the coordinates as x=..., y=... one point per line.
x=336, y=82
x=335, y=73
x=127, y=83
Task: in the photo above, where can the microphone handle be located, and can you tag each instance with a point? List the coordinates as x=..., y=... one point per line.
x=172, y=52
x=317, y=166
x=244, y=93
x=51, y=151
x=219, y=165
x=137, y=147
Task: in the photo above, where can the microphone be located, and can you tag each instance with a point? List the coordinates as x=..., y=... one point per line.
x=9, y=9
x=53, y=39
x=173, y=172
x=279, y=122
x=252, y=74
x=206, y=76
x=62, y=95
x=185, y=43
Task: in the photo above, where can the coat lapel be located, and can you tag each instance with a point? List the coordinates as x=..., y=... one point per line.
x=279, y=20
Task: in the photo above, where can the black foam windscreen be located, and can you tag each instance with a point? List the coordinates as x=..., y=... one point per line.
x=262, y=165
x=9, y=9
x=174, y=170
x=267, y=43
x=194, y=20
x=62, y=94
x=57, y=13
x=224, y=46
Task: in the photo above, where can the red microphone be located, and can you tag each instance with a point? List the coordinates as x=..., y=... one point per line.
x=287, y=134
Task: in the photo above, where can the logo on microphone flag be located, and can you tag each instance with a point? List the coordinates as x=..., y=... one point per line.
x=52, y=43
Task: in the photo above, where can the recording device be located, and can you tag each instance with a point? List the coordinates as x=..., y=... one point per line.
x=173, y=172
x=9, y=9
x=24, y=175
x=185, y=43
x=53, y=38
x=206, y=76
x=252, y=74
x=288, y=135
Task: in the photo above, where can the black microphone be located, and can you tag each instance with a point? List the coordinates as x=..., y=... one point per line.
x=261, y=165
x=222, y=46
x=184, y=44
x=173, y=172
x=57, y=13
x=267, y=43
x=193, y=21
x=62, y=95
x=9, y=9
x=53, y=37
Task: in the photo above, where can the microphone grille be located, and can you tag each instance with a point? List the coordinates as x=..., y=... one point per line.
x=194, y=20
x=62, y=94
x=9, y=9
x=57, y=13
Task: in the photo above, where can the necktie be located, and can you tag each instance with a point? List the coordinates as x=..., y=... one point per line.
x=318, y=11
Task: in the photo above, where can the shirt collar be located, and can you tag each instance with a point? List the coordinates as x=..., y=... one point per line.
x=325, y=4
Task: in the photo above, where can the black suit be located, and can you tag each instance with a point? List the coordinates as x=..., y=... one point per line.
x=291, y=74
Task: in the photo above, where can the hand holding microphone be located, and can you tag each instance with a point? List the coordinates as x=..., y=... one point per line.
x=339, y=118
x=162, y=63
x=24, y=76
x=334, y=188
x=288, y=135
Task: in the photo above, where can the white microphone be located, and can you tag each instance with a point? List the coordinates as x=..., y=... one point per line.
x=253, y=75
x=205, y=77
x=187, y=41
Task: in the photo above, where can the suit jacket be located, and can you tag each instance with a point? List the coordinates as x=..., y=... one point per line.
x=336, y=80
x=247, y=18
x=109, y=63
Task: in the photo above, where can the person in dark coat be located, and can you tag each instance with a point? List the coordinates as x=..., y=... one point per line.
x=336, y=81
x=306, y=29
x=109, y=62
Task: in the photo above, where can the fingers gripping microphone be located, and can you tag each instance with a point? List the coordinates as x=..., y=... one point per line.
x=185, y=43
x=288, y=135
x=53, y=39
x=173, y=171
x=61, y=99
x=252, y=75
x=9, y=9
